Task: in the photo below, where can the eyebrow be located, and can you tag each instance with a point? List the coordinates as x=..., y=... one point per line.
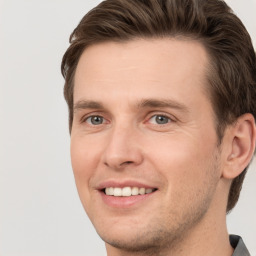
x=162, y=103
x=87, y=104
x=144, y=103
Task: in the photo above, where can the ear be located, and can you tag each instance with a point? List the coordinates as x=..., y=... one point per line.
x=239, y=145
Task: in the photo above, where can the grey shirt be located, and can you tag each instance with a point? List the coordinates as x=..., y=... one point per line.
x=239, y=246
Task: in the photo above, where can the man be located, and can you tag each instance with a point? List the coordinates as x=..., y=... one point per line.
x=161, y=97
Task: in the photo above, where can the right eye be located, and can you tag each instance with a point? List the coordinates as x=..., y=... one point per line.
x=95, y=120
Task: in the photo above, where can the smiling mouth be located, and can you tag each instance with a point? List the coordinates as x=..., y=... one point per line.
x=127, y=191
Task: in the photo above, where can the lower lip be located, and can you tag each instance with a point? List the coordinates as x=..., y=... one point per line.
x=124, y=201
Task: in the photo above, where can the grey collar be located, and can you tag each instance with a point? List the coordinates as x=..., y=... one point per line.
x=238, y=244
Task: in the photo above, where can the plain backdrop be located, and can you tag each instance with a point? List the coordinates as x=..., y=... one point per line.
x=40, y=213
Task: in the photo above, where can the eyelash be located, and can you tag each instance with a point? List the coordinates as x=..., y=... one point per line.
x=166, y=117
x=85, y=119
x=104, y=120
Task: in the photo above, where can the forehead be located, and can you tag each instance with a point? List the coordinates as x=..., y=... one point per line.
x=141, y=67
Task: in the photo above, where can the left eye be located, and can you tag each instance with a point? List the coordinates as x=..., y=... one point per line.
x=160, y=119
x=95, y=120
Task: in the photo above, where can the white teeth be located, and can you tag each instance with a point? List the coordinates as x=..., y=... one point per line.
x=117, y=192
x=135, y=191
x=142, y=191
x=109, y=191
x=127, y=191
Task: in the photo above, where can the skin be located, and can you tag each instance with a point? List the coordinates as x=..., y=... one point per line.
x=181, y=157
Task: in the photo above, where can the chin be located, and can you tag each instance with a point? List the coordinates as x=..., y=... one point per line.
x=133, y=237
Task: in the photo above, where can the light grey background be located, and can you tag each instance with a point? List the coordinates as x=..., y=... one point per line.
x=40, y=213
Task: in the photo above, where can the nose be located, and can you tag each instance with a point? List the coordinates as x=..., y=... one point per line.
x=122, y=148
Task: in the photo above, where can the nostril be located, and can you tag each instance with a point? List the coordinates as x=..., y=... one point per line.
x=126, y=163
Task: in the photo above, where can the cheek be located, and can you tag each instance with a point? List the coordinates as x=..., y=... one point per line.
x=190, y=172
x=184, y=162
x=84, y=163
x=83, y=158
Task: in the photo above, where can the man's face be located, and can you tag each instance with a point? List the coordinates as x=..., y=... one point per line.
x=143, y=124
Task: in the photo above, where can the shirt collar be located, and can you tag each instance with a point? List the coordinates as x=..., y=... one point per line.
x=238, y=244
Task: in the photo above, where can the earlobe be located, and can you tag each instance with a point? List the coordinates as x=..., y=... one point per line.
x=241, y=140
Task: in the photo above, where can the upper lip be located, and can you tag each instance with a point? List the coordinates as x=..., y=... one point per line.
x=122, y=184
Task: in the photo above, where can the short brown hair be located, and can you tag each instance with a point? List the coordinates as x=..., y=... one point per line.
x=232, y=78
